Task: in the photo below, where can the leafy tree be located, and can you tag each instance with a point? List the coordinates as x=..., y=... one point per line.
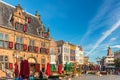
x=117, y=63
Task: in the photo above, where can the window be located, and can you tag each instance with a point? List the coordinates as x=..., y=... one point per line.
x=67, y=58
x=31, y=47
x=19, y=27
x=6, y=65
x=1, y=36
x=43, y=61
x=1, y=58
x=19, y=43
x=6, y=58
x=72, y=51
x=43, y=50
x=72, y=58
x=4, y=62
x=4, y=40
x=31, y=42
x=52, y=51
x=1, y=43
x=43, y=44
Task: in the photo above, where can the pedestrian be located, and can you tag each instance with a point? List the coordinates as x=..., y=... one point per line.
x=31, y=77
x=41, y=75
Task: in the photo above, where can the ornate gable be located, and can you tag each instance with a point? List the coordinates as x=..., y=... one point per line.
x=18, y=16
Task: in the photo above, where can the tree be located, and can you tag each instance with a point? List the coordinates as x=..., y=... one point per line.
x=117, y=63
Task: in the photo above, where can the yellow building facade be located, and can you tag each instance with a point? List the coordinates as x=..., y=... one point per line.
x=22, y=36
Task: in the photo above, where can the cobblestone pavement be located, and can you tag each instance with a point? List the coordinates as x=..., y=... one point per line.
x=94, y=77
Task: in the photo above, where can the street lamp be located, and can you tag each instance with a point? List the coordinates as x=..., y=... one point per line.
x=98, y=62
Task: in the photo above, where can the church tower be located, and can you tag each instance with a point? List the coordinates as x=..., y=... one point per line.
x=109, y=51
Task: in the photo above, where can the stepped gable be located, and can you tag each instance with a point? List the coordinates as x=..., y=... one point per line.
x=6, y=13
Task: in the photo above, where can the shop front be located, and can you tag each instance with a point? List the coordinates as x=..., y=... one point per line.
x=34, y=66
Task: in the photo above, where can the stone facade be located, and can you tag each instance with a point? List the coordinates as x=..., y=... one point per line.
x=22, y=36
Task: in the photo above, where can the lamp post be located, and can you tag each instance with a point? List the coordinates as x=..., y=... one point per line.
x=98, y=59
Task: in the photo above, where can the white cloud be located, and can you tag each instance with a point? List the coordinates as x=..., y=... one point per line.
x=113, y=39
x=105, y=35
x=116, y=46
x=95, y=23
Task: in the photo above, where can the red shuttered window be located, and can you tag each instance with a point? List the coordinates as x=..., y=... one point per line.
x=47, y=51
x=24, y=47
x=36, y=49
x=10, y=66
x=29, y=20
x=10, y=45
x=45, y=34
x=24, y=28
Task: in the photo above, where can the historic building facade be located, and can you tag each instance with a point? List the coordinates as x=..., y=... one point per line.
x=22, y=36
x=86, y=60
x=107, y=62
x=53, y=54
x=72, y=52
x=63, y=52
x=79, y=55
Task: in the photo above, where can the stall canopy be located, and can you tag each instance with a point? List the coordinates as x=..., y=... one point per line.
x=60, y=68
x=48, y=69
x=66, y=67
x=16, y=70
x=52, y=67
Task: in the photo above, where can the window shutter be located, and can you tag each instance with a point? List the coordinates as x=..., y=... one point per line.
x=24, y=28
x=36, y=49
x=10, y=45
x=47, y=51
x=10, y=66
x=29, y=19
x=45, y=34
x=24, y=47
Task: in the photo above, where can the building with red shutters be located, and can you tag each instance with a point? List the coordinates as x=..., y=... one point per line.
x=22, y=36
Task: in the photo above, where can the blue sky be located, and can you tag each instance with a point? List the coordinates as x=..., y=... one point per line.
x=93, y=24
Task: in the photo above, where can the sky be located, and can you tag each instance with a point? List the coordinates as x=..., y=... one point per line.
x=92, y=24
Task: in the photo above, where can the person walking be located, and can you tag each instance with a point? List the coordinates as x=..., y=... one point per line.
x=41, y=75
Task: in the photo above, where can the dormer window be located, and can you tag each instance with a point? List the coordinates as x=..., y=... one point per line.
x=21, y=27
x=45, y=35
x=29, y=20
